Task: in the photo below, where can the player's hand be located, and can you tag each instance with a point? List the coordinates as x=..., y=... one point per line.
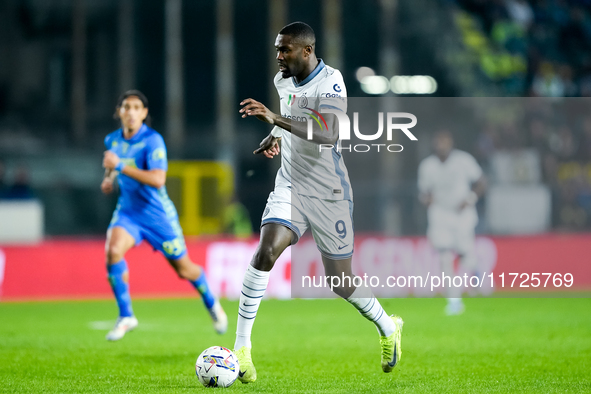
x=426, y=198
x=269, y=147
x=110, y=160
x=254, y=108
x=107, y=186
x=469, y=202
x=463, y=205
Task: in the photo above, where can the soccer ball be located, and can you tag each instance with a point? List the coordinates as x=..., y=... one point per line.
x=217, y=367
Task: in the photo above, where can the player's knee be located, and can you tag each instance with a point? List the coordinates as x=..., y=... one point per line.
x=340, y=288
x=265, y=257
x=186, y=269
x=114, y=253
x=183, y=272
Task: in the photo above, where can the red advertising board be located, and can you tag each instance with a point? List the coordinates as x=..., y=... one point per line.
x=72, y=268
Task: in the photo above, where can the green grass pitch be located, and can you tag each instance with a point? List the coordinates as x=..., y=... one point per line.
x=301, y=346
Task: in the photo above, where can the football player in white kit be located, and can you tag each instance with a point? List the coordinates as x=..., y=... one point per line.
x=450, y=183
x=312, y=190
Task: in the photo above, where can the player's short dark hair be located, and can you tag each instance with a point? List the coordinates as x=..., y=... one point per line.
x=301, y=32
x=133, y=92
x=443, y=133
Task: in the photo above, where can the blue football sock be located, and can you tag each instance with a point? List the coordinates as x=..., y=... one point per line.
x=203, y=288
x=119, y=280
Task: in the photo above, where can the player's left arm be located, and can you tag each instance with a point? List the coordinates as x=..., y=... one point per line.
x=269, y=146
x=324, y=133
x=151, y=177
x=479, y=187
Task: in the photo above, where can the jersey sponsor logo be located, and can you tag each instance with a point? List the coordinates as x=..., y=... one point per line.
x=331, y=95
x=337, y=88
x=138, y=146
x=296, y=118
x=128, y=161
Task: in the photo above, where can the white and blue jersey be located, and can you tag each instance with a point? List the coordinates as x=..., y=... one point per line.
x=312, y=187
x=144, y=211
x=304, y=167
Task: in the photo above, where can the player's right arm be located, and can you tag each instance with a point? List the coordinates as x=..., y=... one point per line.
x=110, y=175
x=252, y=107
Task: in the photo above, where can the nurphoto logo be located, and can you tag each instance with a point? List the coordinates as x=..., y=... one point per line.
x=345, y=130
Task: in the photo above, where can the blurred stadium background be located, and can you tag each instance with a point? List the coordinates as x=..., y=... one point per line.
x=64, y=63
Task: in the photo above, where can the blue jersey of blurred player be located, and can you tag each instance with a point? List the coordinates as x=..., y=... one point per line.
x=136, y=156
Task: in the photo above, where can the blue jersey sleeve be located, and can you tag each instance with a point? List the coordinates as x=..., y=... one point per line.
x=108, y=142
x=156, y=154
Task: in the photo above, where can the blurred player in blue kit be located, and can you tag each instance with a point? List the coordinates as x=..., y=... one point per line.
x=136, y=156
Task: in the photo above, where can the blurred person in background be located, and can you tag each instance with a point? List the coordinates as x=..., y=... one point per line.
x=136, y=156
x=547, y=83
x=520, y=12
x=237, y=219
x=21, y=187
x=450, y=183
x=3, y=185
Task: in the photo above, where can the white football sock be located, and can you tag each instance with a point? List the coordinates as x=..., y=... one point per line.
x=447, y=259
x=369, y=307
x=253, y=288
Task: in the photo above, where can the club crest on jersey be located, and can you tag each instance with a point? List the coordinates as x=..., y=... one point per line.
x=303, y=101
x=124, y=147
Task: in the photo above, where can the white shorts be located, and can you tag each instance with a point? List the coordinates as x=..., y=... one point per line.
x=450, y=230
x=331, y=221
